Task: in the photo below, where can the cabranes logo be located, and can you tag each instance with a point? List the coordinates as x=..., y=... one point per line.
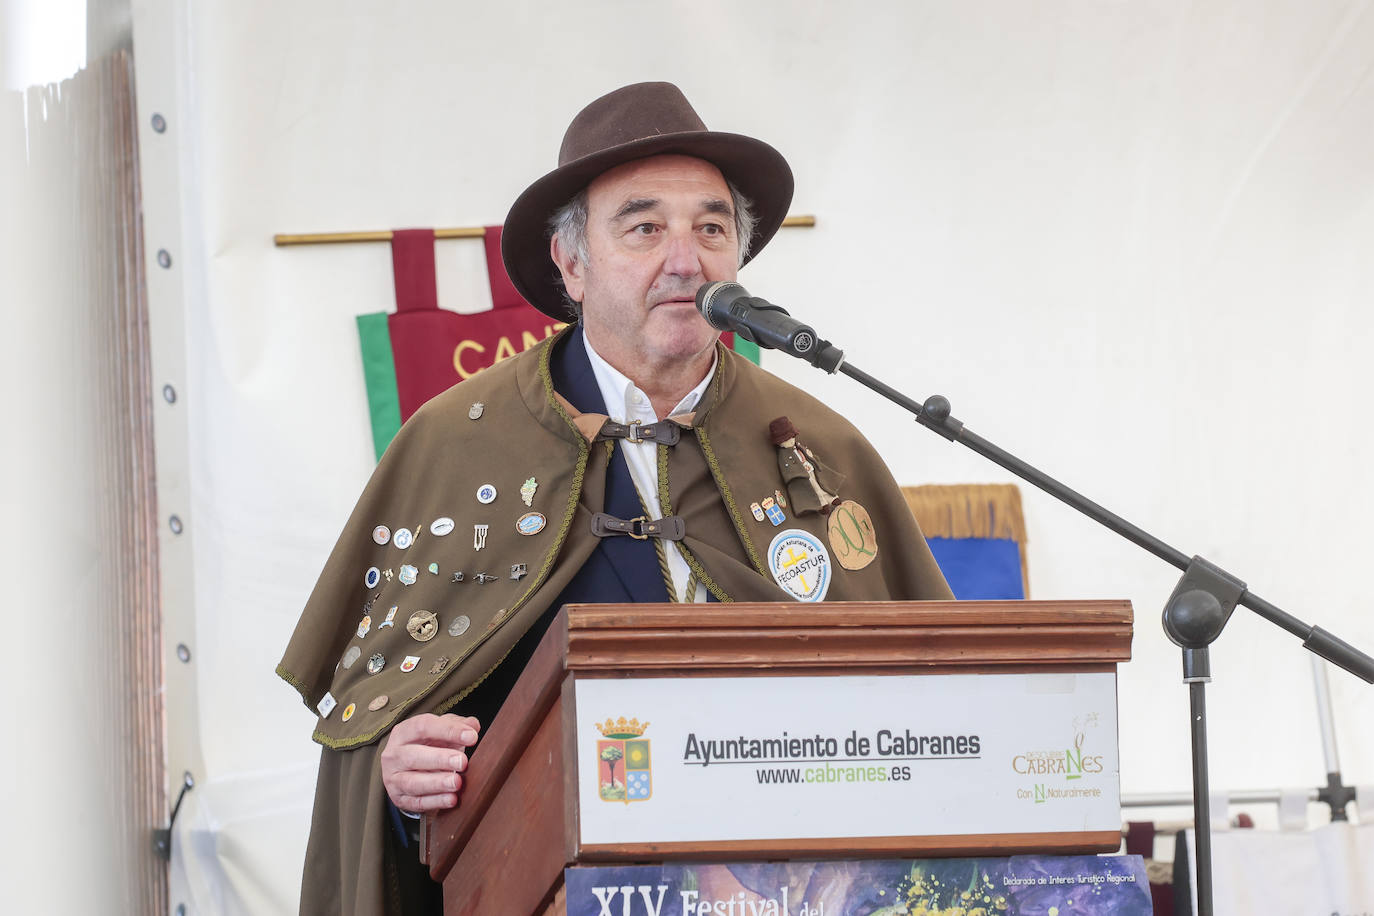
x=622, y=761
x=1071, y=763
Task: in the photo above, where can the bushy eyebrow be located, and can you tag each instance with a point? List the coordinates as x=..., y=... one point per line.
x=637, y=205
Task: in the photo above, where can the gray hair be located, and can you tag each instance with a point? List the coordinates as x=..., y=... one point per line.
x=569, y=225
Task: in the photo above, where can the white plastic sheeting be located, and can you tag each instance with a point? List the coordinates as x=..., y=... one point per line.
x=1130, y=241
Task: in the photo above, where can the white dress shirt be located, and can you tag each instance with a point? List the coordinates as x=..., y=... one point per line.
x=625, y=402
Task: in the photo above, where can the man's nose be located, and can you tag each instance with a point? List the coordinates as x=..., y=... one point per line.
x=680, y=258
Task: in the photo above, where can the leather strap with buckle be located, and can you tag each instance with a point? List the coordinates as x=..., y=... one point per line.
x=664, y=432
x=669, y=528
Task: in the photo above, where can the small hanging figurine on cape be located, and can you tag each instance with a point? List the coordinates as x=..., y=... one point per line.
x=799, y=469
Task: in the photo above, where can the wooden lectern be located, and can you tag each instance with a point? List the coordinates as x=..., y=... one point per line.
x=504, y=848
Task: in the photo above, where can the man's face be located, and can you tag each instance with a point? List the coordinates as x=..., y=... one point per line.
x=657, y=229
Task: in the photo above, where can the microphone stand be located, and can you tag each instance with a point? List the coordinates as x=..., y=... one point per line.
x=1194, y=615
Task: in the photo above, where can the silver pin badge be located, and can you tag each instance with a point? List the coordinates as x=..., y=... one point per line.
x=457, y=577
x=460, y=625
x=408, y=574
x=376, y=663
x=518, y=570
x=475, y=411
x=479, y=536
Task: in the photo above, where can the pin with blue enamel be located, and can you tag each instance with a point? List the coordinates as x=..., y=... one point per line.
x=434, y=569
x=486, y=494
x=326, y=704
x=390, y=619
x=441, y=526
x=776, y=515
x=372, y=577
x=376, y=663
x=757, y=510
x=408, y=574
x=530, y=523
x=381, y=534
x=800, y=564
x=403, y=538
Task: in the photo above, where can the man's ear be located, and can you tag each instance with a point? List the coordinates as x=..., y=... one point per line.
x=569, y=266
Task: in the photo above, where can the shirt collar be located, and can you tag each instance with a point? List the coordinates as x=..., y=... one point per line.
x=624, y=399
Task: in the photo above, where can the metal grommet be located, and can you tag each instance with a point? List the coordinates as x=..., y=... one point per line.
x=174, y=523
x=183, y=652
x=169, y=394
x=164, y=258
x=159, y=123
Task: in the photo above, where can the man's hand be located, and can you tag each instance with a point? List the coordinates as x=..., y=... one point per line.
x=423, y=759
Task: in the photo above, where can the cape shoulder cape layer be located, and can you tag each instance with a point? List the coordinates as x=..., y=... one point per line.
x=432, y=472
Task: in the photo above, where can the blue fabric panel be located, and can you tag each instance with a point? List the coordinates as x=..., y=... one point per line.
x=980, y=568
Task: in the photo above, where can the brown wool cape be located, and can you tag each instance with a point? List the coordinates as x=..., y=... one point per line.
x=722, y=464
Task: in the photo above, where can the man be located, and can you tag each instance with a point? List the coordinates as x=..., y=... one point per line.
x=629, y=459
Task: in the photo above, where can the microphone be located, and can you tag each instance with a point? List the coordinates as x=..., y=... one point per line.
x=728, y=306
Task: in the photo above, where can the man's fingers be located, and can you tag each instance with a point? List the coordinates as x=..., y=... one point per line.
x=446, y=731
x=418, y=804
x=424, y=784
x=424, y=757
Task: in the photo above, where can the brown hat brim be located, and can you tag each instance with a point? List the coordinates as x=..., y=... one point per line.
x=757, y=170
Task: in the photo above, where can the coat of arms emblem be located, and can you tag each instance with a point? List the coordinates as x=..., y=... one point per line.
x=622, y=761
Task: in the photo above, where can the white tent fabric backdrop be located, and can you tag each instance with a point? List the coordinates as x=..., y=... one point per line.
x=1130, y=241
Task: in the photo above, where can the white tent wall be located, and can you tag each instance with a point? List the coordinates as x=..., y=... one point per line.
x=1130, y=241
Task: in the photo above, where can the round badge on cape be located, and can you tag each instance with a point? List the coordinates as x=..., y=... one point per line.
x=372, y=577
x=800, y=564
x=378, y=702
x=381, y=534
x=530, y=523
x=422, y=626
x=441, y=526
x=403, y=538
x=486, y=494
x=852, y=536
x=460, y=625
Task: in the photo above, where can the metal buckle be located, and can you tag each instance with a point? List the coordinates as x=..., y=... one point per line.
x=632, y=434
x=637, y=528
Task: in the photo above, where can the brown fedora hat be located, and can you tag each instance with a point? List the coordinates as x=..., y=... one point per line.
x=644, y=119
